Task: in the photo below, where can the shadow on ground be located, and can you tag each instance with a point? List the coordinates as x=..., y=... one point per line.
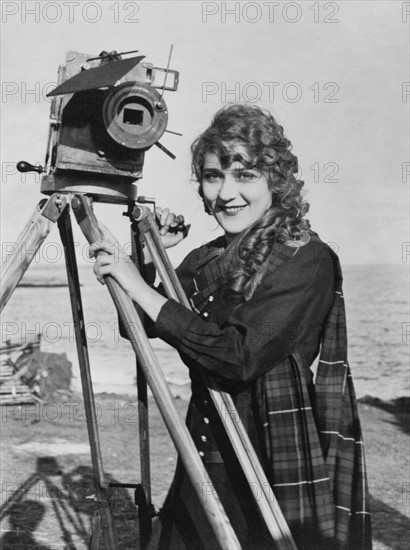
x=399, y=408
x=397, y=536
x=51, y=501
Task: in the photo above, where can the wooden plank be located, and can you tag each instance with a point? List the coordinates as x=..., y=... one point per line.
x=17, y=399
x=13, y=348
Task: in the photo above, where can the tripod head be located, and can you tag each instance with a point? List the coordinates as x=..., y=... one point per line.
x=106, y=112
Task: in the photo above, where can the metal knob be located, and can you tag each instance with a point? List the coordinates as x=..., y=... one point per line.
x=24, y=166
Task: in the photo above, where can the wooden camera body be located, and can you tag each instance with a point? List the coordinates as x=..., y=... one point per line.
x=105, y=113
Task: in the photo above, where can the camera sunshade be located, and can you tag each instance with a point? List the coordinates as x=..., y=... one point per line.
x=104, y=76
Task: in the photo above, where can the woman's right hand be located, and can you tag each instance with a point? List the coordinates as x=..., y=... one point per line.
x=172, y=228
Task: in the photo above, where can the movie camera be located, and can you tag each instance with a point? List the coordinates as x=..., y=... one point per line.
x=105, y=113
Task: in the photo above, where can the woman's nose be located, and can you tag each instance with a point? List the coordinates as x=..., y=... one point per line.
x=228, y=189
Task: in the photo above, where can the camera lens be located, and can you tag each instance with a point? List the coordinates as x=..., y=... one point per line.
x=131, y=117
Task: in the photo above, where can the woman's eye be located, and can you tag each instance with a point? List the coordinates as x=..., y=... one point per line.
x=211, y=178
x=247, y=176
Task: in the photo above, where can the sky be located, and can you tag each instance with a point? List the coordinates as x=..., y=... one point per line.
x=334, y=74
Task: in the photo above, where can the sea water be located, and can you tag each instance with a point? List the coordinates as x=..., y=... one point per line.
x=376, y=299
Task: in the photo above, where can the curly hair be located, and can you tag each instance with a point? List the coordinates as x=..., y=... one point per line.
x=269, y=151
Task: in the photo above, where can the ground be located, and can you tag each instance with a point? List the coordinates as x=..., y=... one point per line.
x=46, y=471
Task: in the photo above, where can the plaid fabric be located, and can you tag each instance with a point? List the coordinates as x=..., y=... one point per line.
x=316, y=455
x=340, y=432
x=313, y=446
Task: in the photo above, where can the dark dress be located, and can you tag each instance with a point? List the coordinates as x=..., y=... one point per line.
x=307, y=435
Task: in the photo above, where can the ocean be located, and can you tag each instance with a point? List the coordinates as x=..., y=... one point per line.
x=377, y=304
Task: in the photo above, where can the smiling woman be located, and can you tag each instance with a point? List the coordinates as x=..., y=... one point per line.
x=236, y=197
x=267, y=302
x=246, y=171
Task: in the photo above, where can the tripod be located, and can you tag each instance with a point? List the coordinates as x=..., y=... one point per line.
x=56, y=208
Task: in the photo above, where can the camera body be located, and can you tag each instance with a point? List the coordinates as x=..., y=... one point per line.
x=105, y=113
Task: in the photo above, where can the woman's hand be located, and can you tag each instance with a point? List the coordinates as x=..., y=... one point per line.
x=172, y=228
x=112, y=260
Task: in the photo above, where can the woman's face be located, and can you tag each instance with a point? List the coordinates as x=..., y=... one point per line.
x=236, y=196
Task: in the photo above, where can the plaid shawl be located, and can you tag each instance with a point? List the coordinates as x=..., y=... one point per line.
x=314, y=443
x=340, y=432
x=315, y=451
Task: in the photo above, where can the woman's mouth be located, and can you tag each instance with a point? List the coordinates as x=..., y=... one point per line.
x=232, y=210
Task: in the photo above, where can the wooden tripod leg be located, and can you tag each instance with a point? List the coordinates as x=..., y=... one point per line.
x=143, y=496
x=103, y=499
x=28, y=243
x=182, y=439
x=248, y=459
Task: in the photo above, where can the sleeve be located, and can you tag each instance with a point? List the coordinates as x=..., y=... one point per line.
x=290, y=303
x=184, y=273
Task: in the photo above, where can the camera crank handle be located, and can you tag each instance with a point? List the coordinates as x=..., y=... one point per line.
x=24, y=166
x=166, y=151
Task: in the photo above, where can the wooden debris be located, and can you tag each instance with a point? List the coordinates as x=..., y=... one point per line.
x=12, y=390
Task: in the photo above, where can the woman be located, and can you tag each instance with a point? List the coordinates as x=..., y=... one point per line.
x=266, y=300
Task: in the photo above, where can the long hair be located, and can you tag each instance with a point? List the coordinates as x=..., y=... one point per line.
x=269, y=151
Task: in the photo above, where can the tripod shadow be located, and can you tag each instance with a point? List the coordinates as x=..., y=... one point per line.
x=53, y=503
x=24, y=517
